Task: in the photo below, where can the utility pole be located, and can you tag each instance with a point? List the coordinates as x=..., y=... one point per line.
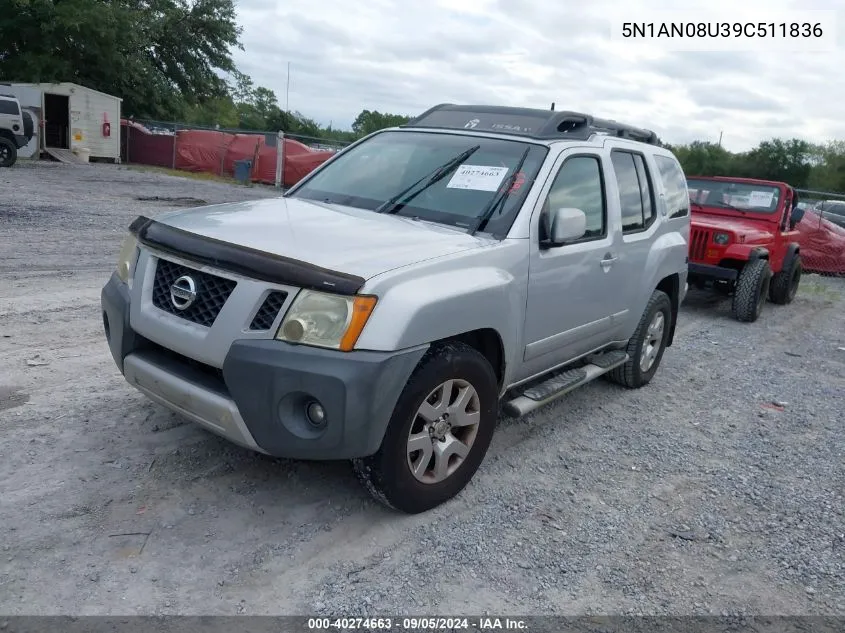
x=287, y=92
x=720, y=138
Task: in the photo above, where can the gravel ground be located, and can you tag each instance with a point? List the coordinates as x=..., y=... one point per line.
x=693, y=495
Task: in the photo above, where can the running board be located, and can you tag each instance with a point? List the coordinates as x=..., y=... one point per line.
x=562, y=382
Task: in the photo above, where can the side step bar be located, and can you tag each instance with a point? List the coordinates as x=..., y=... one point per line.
x=562, y=382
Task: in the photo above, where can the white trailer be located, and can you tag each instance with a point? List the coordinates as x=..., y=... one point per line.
x=72, y=122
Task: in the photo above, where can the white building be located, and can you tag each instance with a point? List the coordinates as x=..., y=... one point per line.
x=69, y=118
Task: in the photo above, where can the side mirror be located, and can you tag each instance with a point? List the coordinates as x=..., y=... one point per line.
x=795, y=217
x=567, y=224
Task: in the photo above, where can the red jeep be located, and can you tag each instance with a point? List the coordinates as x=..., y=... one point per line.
x=743, y=241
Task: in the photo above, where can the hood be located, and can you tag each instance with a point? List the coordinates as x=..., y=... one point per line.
x=340, y=238
x=751, y=229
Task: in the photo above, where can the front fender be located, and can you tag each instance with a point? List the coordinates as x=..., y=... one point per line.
x=445, y=303
x=748, y=252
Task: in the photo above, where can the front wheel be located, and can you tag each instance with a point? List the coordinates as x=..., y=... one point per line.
x=8, y=152
x=785, y=284
x=752, y=289
x=439, y=432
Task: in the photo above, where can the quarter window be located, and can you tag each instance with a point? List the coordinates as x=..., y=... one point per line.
x=636, y=194
x=579, y=185
x=9, y=107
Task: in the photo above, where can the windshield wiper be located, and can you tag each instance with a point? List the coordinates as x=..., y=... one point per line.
x=393, y=205
x=499, y=198
x=725, y=205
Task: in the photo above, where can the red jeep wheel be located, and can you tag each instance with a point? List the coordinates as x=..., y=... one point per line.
x=752, y=290
x=785, y=283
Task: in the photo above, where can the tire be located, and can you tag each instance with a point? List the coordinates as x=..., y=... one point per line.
x=784, y=285
x=647, y=344
x=388, y=474
x=8, y=152
x=752, y=289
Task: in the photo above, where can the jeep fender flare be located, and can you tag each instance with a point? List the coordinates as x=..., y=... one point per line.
x=758, y=252
x=792, y=251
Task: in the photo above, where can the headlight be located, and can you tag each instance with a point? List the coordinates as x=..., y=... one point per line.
x=721, y=238
x=127, y=257
x=326, y=320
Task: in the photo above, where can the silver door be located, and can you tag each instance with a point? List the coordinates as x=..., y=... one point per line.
x=576, y=292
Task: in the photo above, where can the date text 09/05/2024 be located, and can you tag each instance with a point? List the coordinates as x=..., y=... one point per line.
x=722, y=29
x=413, y=624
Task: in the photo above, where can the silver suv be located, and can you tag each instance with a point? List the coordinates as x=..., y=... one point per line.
x=16, y=129
x=386, y=307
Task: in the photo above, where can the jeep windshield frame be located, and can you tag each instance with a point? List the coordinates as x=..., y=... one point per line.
x=372, y=172
x=736, y=197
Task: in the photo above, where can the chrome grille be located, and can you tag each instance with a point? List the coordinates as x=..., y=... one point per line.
x=212, y=292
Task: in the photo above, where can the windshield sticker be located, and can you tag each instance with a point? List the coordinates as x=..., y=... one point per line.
x=478, y=178
x=760, y=198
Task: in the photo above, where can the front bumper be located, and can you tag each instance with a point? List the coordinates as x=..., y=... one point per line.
x=709, y=271
x=258, y=398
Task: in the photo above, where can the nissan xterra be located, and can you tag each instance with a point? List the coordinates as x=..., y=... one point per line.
x=386, y=308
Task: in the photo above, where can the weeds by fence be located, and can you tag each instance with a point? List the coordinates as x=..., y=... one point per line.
x=276, y=158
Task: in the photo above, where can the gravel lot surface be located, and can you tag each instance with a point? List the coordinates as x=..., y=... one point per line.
x=695, y=494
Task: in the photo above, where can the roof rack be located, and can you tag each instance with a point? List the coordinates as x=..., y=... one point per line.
x=529, y=122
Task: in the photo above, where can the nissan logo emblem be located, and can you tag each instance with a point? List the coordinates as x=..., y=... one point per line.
x=183, y=292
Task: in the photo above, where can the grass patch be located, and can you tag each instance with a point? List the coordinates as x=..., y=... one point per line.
x=820, y=287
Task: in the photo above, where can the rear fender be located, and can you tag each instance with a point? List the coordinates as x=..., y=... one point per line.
x=792, y=251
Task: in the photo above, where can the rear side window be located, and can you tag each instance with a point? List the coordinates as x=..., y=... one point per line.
x=9, y=107
x=636, y=194
x=675, y=184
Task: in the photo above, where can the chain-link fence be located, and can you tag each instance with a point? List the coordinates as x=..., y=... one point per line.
x=268, y=157
x=822, y=231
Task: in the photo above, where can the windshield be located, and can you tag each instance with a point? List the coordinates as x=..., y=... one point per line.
x=747, y=197
x=377, y=170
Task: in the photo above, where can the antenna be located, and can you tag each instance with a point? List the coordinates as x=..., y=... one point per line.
x=287, y=92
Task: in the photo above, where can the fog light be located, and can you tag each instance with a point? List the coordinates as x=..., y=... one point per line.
x=315, y=413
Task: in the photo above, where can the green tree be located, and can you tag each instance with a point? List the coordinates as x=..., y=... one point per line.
x=160, y=56
x=701, y=158
x=369, y=121
x=828, y=169
x=778, y=159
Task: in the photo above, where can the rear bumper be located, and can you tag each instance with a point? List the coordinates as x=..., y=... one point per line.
x=710, y=271
x=258, y=398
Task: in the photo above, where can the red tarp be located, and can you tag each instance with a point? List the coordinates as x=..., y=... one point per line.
x=216, y=153
x=822, y=244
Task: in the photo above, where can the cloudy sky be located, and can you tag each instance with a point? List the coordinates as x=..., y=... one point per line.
x=404, y=56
